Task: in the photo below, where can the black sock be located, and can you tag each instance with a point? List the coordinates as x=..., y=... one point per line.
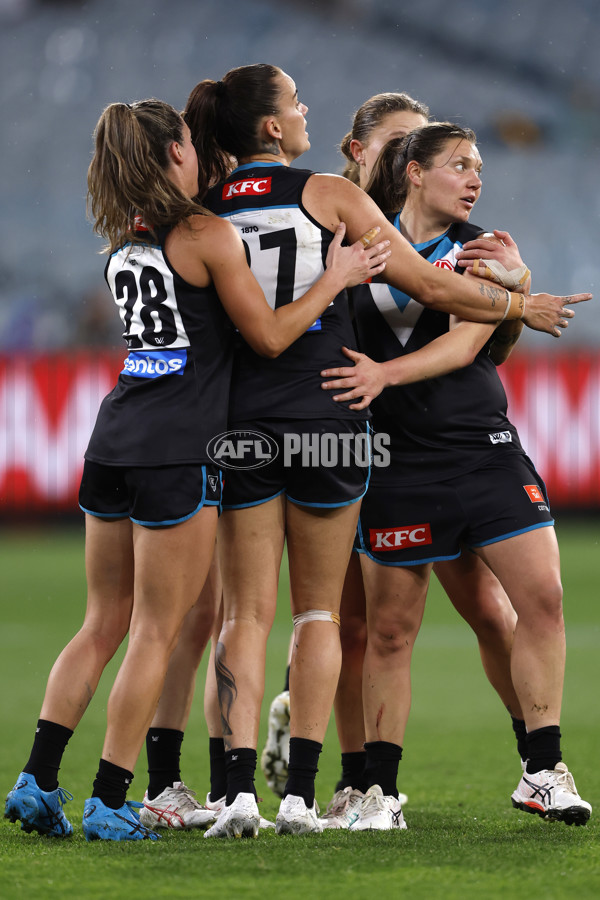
x=521, y=736
x=543, y=748
x=286, y=685
x=302, y=769
x=218, y=776
x=382, y=766
x=240, y=765
x=111, y=784
x=163, y=748
x=353, y=771
x=47, y=753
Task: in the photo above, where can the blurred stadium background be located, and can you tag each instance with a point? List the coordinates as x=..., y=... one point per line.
x=525, y=74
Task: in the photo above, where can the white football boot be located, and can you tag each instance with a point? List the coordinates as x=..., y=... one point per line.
x=175, y=807
x=216, y=806
x=241, y=819
x=295, y=817
x=552, y=795
x=342, y=809
x=378, y=812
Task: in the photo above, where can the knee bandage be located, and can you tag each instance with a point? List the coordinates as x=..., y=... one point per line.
x=316, y=615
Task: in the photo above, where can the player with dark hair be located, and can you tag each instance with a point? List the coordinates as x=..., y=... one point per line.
x=286, y=218
x=471, y=586
x=149, y=489
x=458, y=475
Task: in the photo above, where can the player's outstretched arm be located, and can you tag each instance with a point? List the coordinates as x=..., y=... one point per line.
x=331, y=198
x=366, y=379
x=546, y=312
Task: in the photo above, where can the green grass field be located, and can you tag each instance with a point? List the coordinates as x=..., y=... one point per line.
x=460, y=765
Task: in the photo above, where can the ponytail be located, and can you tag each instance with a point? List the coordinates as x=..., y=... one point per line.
x=388, y=183
x=128, y=177
x=225, y=117
x=201, y=115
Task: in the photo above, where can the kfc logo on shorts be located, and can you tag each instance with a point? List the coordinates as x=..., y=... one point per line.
x=534, y=493
x=444, y=264
x=400, y=538
x=250, y=187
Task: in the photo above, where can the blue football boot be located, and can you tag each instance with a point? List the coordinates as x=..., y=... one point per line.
x=38, y=810
x=101, y=823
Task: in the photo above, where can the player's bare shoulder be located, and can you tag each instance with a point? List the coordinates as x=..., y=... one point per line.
x=325, y=196
x=216, y=235
x=330, y=185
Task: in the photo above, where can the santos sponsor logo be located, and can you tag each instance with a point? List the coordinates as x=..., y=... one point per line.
x=400, y=538
x=253, y=449
x=250, y=187
x=142, y=364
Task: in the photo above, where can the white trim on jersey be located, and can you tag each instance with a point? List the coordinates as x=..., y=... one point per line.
x=402, y=319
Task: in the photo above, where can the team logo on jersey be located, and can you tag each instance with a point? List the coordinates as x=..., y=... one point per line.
x=138, y=224
x=500, y=437
x=153, y=364
x=250, y=187
x=400, y=538
x=534, y=493
x=444, y=264
x=242, y=450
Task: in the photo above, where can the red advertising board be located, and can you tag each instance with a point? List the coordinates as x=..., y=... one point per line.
x=554, y=401
x=48, y=405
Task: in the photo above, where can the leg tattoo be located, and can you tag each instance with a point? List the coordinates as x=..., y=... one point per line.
x=226, y=690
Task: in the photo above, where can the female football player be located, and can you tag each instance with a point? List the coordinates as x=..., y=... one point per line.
x=286, y=218
x=149, y=489
x=458, y=476
x=472, y=588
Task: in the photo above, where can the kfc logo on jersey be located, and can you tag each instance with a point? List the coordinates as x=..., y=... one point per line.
x=400, y=538
x=534, y=493
x=444, y=264
x=250, y=187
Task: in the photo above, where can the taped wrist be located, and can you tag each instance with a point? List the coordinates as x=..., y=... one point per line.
x=515, y=307
x=495, y=271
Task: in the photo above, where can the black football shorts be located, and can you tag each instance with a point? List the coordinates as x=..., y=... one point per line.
x=149, y=495
x=322, y=463
x=406, y=525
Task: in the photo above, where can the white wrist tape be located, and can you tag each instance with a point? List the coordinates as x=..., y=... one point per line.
x=508, y=305
x=316, y=615
x=495, y=271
